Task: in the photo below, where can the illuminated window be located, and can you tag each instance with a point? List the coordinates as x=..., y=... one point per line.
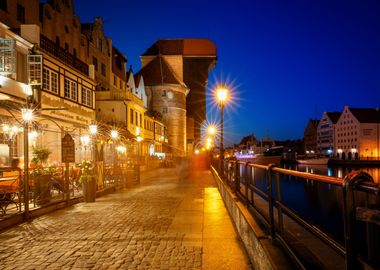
x=86, y=96
x=50, y=81
x=71, y=90
x=35, y=69
x=7, y=56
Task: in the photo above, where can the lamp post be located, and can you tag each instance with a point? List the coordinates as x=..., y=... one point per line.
x=139, y=139
x=27, y=116
x=114, y=136
x=221, y=99
x=93, y=129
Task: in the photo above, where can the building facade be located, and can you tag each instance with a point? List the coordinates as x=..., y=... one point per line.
x=63, y=90
x=358, y=134
x=326, y=133
x=310, y=137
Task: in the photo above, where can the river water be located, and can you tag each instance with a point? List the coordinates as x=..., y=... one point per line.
x=320, y=204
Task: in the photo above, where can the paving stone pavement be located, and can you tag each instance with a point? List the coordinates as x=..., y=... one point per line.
x=169, y=221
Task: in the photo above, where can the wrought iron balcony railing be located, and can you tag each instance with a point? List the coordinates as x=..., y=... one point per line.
x=55, y=50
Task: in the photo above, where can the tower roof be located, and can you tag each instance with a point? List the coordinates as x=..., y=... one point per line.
x=187, y=47
x=158, y=72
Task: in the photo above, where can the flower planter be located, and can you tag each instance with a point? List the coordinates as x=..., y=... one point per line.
x=88, y=188
x=42, y=193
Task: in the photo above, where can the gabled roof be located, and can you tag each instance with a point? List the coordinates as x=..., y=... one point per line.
x=314, y=122
x=334, y=116
x=365, y=115
x=137, y=77
x=185, y=47
x=158, y=72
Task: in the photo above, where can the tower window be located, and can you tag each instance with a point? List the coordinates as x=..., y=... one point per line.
x=20, y=13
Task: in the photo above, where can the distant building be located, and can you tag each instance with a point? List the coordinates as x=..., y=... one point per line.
x=358, y=134
x=326, y=133
x=310, y=137
x=176, y=74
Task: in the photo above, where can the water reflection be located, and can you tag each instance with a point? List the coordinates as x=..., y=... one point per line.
x=319, y=203
x=335, y=171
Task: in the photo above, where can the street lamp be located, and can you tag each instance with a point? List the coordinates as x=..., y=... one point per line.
x=27, y=116
x=85, y=140
x=93, y=129
x=222, y=94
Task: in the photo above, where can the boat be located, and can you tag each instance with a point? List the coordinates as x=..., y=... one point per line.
x=313, y=161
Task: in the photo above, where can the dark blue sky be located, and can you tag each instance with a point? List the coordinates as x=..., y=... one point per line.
x=287, y=61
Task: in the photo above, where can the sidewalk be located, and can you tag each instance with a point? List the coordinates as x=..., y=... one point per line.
x=166, y=222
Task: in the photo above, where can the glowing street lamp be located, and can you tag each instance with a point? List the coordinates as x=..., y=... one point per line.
x=27, y=116
x=211, y=130
x=93, y=130
x=114, y=134
x=222, y=95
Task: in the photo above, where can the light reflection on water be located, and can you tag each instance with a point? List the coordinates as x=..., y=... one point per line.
x=340, y=172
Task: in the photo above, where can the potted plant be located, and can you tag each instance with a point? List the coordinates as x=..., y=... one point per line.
x=41, y=175
x=88, y=181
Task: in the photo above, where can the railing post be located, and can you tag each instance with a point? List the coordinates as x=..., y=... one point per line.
x=236, y=181
x=350, y=181
x=279, y=199
x=270, y=201
x=246, y=181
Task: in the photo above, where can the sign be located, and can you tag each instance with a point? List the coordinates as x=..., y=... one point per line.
x=68, y=149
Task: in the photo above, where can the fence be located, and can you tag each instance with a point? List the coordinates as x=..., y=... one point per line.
x=354, y=243
x=55, y=184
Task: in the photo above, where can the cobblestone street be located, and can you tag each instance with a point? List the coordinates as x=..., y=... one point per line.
x=166, y=222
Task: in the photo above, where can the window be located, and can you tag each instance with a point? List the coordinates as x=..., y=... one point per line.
x=164, y=93
x=95, y=63
x=4, y=5
x=67, y=29
x=131, y=115
x=71, y=90
x=114, y=80
x=50, y=81
x=104, y=71
x=20, y=13
x=99, y=44
x=140, y=120
x=136, y=119
x=66, y=46
x=367, y=132
x=57, y=41
x=86, y=96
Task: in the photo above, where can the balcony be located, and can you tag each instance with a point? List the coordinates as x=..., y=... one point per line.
x=55, y=50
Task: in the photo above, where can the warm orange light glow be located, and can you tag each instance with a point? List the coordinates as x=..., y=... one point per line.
x=196, y=151
x=211, y=130
x=221, y=94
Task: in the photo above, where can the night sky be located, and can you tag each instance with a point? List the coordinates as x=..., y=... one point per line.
x=286, y=61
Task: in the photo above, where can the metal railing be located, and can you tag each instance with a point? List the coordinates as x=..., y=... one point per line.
x=261, y=188
x=55, y=185
x=62, y=54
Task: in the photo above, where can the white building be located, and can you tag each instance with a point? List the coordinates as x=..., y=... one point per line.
x=358, y=134
x=326, y=133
